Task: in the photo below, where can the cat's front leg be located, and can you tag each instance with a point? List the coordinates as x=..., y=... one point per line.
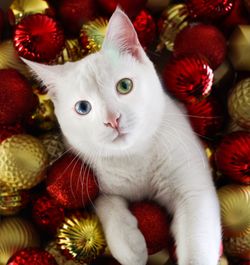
x=124, y=239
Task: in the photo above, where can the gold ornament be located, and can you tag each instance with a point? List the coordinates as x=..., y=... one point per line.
x=239, y=103
x=157, y=5
x=235, y=210
x=223, y=261
x=23, y=160
x=82, y=236
x=239, y=48
x=175, y=18
x=158, y=258
x=15, y=234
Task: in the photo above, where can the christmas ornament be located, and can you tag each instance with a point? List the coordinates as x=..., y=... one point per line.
x=153, y=223
x=239, y=103
x=203, y=39
x=82, y=236
x=235, y=210
x=174, y=19
x=38, y=38
x=7, y=131
x=233, y=127
x=21, y=8
x=188, y=78
x=1, y=22
x=23, y=160
x=239, y=48
x=35, y=256
x=233, y=156
x=157, y=5
x=71, y=182
x=223, y=261
x=16, y=95
x=16, y=233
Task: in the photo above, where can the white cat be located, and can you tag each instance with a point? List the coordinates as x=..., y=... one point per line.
x=114, y=112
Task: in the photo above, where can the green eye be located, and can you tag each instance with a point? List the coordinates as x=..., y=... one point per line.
x=124, y=86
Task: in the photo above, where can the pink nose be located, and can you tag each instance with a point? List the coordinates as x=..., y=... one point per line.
x=113, y=121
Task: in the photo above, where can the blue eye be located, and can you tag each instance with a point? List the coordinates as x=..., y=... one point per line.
x=83, y=107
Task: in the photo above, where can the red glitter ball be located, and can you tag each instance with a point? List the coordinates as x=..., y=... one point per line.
x=188, y=78
x=16, y=97
x=32, y=256
x=202, y=39
x=38, y=38
x=233, y=156
x=71, y=183
x=7, y=131
x=153, y=223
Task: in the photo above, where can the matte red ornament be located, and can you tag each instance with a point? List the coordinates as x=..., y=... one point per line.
x=38, y=38
x=7, y=131
x=71, y=182
x=233, y=156
x=202, y=39
x=16, y=97
x=153, y=223
x=32, y=256
x=188, y=78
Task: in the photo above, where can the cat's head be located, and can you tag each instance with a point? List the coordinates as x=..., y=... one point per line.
x=110, y=102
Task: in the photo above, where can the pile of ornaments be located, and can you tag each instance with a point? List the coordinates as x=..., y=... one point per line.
x=202, y=50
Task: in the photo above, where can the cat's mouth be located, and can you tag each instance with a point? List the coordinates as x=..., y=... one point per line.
x=119, y=137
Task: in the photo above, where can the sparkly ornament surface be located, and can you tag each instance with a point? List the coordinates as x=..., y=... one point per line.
x=23, y=160
x=188, y=78
x=235, y=210
x=82, y=236
x=233, y=156
x=38, y=38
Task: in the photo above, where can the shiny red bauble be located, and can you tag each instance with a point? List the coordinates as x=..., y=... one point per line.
x=188, y=78
x=153, y=224
x=202, y=39
x=71, y=182
x=233, y=156
x=38, y=38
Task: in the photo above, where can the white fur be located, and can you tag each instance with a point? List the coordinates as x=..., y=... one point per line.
x=159, y=158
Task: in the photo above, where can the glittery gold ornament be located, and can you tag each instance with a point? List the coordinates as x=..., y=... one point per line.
x=23, y=160
x=239, y=103
x=15, y=233
x=235, y=210
x=175, y=18
x=82, y=236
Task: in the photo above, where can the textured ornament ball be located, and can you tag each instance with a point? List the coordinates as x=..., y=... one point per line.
x=71, y=182
x=233, y=156
x=34, y=256
x=153, y=224
x=16, y=95
x=82, y=236
x=202, y=39
x=23, y=161
x=38, y=38
x=16, y=233
x=188, y=78
x=235, y=210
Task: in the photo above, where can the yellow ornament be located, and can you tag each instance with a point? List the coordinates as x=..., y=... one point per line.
x=82, y=236
x=235, y=210
x=23, y=161
x=15, y=234
x=239, y=103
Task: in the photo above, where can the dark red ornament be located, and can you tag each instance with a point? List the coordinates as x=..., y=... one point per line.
x=153, y=223
x=188, y=78
x=38, y=38
x=16, y=97
x=233, y=156
x=7, y=131
x=71, y=182
x=32, y=256
x=202, y=39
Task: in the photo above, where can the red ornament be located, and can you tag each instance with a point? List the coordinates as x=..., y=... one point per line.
x=47, y=214
x=188, y=78
x=71, y=183
x=153, y=223
x=38, y=38
x=1, y=22
x=233, y=156
x=34, y=256
x=206, y=117
x=203, y=39
x=7, y=131
x=145, y=27
x=16, y=97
